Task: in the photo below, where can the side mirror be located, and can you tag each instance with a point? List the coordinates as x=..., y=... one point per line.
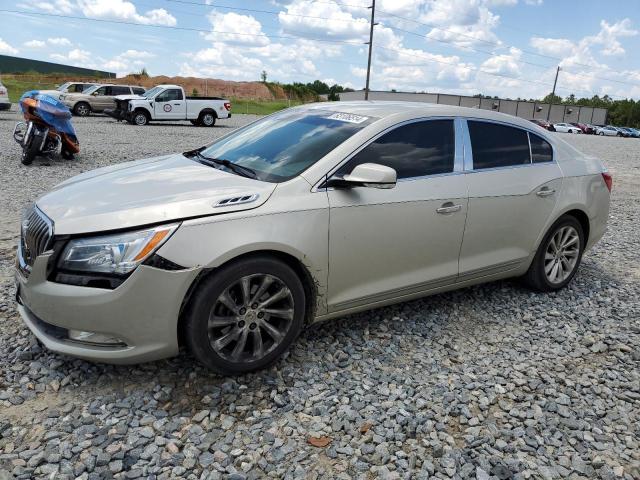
x=94, y=94
x=370, y=175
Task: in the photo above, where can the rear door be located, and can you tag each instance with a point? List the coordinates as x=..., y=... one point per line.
x=513, y=185
x=170, y=105
x=387, y=243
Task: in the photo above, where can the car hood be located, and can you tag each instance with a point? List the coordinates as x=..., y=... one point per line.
x=143, y=192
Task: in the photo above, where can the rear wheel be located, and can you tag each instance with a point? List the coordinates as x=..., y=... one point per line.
x=245, y=315
x=207, y=119
x=558, y=256
x=82, y=109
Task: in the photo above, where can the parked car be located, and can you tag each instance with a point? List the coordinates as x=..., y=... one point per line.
x=635, y=133
x=544, y=124
x=583, y=127
x=5, y=104
x=67, y=88
x=628, y=132
x=609, y=131
x=566, y=128
x=170, y=103
x=308, y=214
x=97, y=98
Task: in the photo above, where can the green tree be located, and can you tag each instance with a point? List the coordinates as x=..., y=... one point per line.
x=263, y=76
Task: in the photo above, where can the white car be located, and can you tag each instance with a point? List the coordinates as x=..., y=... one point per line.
x=170, y=103
x=566, y=128
x=5, y=104
x=308, y=214
x=608, y=131
x=69, y=87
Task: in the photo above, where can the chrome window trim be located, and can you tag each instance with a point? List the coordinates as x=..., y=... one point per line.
x=457, y=158
x=469, y=167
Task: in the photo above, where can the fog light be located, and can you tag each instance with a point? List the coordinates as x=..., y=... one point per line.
x=95, y=338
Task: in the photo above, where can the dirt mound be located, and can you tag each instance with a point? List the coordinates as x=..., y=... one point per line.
x=209, y=86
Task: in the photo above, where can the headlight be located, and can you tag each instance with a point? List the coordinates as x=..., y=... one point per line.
x=113, y=254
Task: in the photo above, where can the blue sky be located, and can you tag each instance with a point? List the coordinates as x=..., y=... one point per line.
x=497, y=47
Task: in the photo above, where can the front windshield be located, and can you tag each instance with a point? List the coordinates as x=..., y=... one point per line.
x=63, y=87
x=281, y=146
x=152, y=92
x=90, y=90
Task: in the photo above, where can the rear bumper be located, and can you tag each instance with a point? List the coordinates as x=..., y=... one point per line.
x=143, y=312
x=5, y=104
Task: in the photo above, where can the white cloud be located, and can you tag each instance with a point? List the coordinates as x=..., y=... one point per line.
x=53, y=6
x=609, y=34
x=126, y=11
x=35, y=44
x=6, y=48
x=59, y=41
x=333, y=22
x=75, y=56
x=244, y=29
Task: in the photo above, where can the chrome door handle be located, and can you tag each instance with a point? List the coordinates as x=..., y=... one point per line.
x=545, y=192
x=448, y=207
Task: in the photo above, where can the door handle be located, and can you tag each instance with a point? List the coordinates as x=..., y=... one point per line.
x=448, y=207
x=177, y=104
x=545, y=192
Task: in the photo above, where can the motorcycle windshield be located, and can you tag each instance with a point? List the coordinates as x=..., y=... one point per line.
x=51, y=111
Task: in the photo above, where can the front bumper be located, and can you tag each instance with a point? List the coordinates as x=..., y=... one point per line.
x=143, y=312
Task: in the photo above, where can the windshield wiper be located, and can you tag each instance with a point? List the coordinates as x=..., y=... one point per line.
x=234, y=167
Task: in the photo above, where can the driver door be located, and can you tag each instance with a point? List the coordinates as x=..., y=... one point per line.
x=170, y=105
x=389, y=243
x=101, y=98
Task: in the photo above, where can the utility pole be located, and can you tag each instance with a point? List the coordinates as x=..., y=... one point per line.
x=373, y=13
x=553, y=92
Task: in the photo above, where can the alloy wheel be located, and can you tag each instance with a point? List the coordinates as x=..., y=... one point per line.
x=561, y=255
x=208, y=120
x=82, y=110
x=250, y=318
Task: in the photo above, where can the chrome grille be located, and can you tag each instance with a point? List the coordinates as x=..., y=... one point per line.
x=35, y=236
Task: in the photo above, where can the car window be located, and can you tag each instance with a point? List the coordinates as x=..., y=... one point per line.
x=120, y=90
x=541, y=150
x=494, y=145
x=101, y=91
x=78, y=87
x=138, y=90
x=169, y=95
x=281, y=146
x=413, y=150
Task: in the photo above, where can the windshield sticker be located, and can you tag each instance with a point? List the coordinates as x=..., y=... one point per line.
x=348, y=117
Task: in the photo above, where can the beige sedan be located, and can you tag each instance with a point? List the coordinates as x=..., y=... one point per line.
x=306, y=215
x=97, y=98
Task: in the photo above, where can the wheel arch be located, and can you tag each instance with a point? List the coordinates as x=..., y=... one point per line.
x=207, y=110
x=142, y=109
x=309, y=283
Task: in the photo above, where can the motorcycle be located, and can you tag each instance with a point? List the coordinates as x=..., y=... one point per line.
x=47, y=128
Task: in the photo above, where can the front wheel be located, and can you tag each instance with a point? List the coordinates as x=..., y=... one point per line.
x=245, y=315
x=558, y=256
x=82, y=109
x=140, y=119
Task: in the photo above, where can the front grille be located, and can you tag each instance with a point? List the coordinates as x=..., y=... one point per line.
x=35, y=236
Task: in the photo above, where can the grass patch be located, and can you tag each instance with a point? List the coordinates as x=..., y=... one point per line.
x=260, y=107
x=17, y=87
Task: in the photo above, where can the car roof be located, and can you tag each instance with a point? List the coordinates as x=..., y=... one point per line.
x=383, y=109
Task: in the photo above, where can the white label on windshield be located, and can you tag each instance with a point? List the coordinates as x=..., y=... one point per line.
x=348, y=117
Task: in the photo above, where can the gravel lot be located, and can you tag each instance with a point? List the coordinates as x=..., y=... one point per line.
x=487, y=382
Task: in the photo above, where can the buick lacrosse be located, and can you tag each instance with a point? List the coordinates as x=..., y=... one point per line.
x=305, y=215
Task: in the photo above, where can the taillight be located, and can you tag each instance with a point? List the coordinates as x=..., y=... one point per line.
x=608, y=180
x=227, y=105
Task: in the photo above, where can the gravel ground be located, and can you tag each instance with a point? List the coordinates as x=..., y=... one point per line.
x=488, y=382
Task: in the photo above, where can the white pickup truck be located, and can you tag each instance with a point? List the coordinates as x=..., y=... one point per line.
x=169, y=102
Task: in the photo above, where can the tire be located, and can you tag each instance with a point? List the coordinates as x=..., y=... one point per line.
x=31, y=150
x=619, y=134
x=537, y=276
x=207, y=119
x=221, y=347
x=140, y=118
x=81, y=109
x=601, y=134
x=66, y=154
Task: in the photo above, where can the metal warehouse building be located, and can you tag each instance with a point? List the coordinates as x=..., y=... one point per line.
x=519, y=108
